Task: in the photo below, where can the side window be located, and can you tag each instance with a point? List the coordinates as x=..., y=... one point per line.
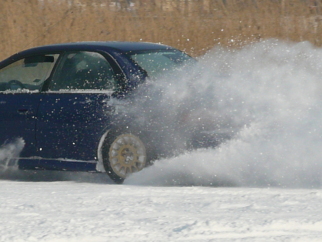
x=83, y=71
x=28, y=73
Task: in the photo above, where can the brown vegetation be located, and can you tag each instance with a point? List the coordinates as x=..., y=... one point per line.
x=191, y=25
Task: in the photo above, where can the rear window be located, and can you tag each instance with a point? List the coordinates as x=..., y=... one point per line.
x=157, y=63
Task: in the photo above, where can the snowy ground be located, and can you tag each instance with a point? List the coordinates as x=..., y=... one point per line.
x=60, y=210
x=262, y=185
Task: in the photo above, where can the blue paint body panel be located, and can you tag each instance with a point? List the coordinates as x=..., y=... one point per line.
x=18, y=118
x=71, y=125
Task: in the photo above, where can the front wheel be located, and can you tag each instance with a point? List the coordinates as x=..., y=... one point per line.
x=123, y=154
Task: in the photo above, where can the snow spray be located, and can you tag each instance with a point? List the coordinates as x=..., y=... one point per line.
x=270, y=92
x=9, y=154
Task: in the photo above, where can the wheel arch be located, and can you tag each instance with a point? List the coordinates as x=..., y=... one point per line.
x=99, y=164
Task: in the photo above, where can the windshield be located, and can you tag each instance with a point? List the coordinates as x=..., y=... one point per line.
x=159, y=62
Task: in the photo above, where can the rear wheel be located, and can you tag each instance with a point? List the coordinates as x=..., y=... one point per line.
x=123, y=154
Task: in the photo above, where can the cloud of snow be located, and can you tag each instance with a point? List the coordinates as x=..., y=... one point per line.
x=269, y=94
x=9, y=153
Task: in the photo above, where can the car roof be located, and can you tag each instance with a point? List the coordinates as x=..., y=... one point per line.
x=116, y=46
x=95, y=45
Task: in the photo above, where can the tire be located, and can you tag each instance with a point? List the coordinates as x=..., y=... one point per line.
x=124, y=152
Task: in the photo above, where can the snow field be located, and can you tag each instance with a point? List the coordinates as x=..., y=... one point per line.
x=69, y=211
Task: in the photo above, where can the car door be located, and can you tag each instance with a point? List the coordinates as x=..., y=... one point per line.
x=20, y=85
x=74, y=112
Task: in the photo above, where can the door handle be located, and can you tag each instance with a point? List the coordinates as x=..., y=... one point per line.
x=23, y=111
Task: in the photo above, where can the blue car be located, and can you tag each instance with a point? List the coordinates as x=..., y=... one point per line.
x=60, y=99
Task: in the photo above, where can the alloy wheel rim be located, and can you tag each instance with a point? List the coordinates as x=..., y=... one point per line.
x=127, y=155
